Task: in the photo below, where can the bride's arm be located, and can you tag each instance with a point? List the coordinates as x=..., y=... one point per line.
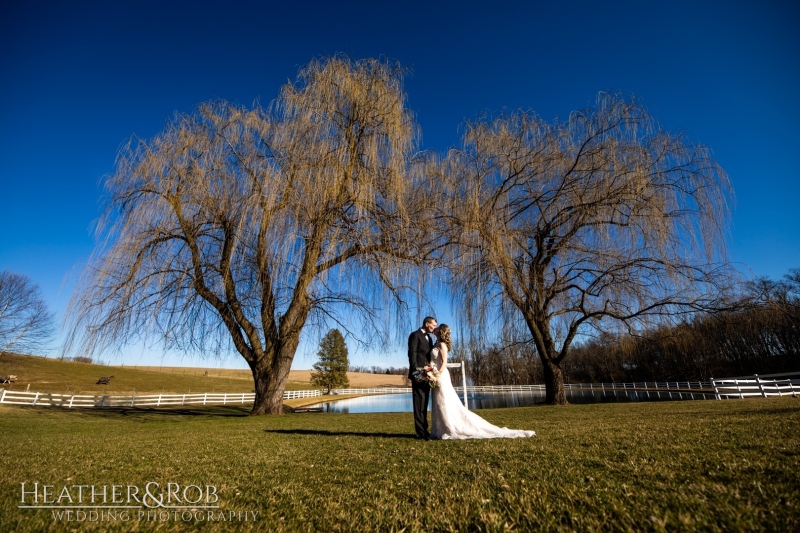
x=443, y=352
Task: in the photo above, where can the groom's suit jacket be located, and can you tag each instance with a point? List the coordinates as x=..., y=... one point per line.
x=419, y=351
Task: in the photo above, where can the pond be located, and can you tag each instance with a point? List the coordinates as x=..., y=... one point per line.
x=401, y=403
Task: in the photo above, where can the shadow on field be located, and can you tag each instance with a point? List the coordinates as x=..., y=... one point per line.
x=326, y=433
x=154, y=412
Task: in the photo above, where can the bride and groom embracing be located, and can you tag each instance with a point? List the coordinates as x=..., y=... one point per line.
x=450, y=419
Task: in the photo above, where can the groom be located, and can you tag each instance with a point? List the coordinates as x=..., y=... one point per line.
x=420, y=344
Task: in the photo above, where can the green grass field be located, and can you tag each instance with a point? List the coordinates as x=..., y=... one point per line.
x=56, y=376
x=671, y=466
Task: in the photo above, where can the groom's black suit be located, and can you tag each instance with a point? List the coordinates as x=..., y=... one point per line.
x=419, y=354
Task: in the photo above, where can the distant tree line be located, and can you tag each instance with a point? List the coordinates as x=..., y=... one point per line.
x=379, y=370
x=761, y=334
x=498, y=364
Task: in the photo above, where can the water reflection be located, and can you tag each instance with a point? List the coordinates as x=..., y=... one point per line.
x=379, y=403
x=401, y=403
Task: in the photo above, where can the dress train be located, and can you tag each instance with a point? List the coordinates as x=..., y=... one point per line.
x=451, y=420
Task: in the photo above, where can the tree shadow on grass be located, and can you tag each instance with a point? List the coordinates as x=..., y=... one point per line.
x=155, y=412
x=326, y=433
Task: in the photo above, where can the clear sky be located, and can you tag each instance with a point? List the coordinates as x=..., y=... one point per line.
x=78, y=78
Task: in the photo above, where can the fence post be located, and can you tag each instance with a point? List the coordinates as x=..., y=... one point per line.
x=739, y=389
x=716, y=392
x=760, y=386
x=205, y=396
x=158, y=403
x=103, y=402
x=133, y=400
x=464, y=381
x=3, y=396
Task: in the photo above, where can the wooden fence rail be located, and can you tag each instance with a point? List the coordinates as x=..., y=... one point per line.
x=763, y=386
x=726, y=388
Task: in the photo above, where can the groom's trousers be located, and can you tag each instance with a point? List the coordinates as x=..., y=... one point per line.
x=420, y=393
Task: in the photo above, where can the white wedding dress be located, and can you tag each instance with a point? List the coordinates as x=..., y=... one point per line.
x=451, y=420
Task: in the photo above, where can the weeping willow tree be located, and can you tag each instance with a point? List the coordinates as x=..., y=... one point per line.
x=236, y=226
x=604, y=220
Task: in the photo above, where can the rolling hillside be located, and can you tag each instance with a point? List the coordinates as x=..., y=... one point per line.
x=54, y=375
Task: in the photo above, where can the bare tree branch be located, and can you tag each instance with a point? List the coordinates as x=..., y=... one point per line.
x=235, y=228
x=604, y=218
x=26, y=325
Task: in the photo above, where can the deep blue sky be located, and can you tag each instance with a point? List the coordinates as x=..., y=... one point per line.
x=78, y=78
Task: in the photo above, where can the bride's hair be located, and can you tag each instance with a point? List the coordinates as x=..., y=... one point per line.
x=444, y=336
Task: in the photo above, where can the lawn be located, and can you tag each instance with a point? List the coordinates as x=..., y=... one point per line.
x=675, y=466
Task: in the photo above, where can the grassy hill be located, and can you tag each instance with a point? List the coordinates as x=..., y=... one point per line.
x=54, y=375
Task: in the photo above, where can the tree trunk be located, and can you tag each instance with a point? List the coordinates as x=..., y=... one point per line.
x=555, y=394
x=269, y=391
x=269, y=378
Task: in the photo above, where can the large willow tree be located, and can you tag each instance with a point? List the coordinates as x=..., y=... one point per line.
x=235, y=226
x=565, y=227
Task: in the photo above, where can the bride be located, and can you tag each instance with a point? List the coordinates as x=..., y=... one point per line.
x=451, y=420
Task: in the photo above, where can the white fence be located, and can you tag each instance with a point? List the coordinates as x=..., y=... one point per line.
x=726, y=388
x=645, y=390
x=763, y=386
x=379, y=390
x=595, y=387
x=149, y=400
x=292, y=394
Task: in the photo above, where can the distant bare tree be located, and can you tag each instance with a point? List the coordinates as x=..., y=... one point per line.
x=558, y=227
x=785, y=294
x=237, y=226
x=26, y=325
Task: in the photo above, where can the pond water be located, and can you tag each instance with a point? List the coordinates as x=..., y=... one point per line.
x=401, y=403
